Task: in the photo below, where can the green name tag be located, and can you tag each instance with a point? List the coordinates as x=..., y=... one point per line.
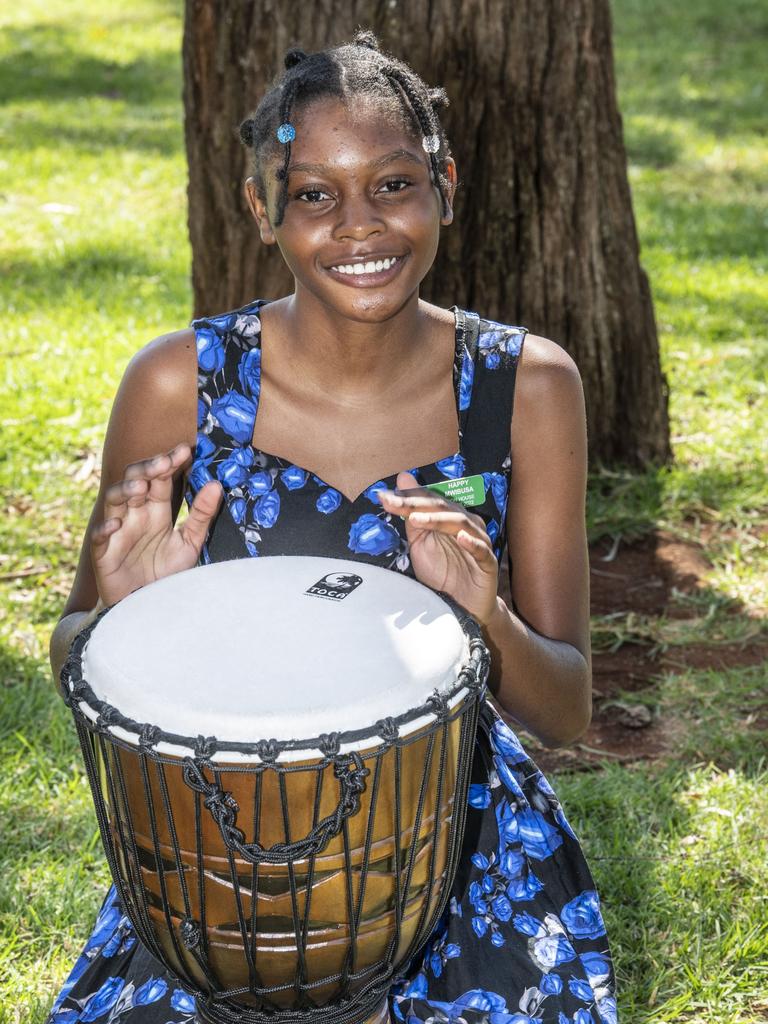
x=467, y=490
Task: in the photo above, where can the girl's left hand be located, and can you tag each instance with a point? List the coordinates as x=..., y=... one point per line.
x=450, y=549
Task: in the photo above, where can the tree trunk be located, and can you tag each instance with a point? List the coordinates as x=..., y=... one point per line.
x=544, y=234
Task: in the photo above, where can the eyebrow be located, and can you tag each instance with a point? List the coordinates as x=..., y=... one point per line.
x=373, y=165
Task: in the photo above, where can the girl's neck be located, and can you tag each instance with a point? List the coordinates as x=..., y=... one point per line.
x=350, y=356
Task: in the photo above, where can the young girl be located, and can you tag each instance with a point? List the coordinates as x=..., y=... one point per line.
x=304, y=414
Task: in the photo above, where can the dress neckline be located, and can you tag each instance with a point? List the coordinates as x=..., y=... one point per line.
x=460, y=355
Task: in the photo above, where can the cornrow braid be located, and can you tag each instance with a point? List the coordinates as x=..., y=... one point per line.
x=425, y=116
x=289, y=94
x=353, y=69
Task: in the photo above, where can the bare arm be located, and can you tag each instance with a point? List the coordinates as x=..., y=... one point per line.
x=149, y=440
x=541, y=660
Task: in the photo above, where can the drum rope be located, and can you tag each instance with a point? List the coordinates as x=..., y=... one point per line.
x=349, y=770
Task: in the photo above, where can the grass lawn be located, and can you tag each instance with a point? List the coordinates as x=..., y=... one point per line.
x=95, y=261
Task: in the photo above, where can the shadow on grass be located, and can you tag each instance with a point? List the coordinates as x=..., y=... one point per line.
x=87, y=267
x=46, y=62
x=650, y=147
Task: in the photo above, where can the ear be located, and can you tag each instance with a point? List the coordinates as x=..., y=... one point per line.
x=258, y=208
x=450, y=192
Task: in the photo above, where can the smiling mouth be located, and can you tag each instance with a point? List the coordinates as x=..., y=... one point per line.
x=370, y=271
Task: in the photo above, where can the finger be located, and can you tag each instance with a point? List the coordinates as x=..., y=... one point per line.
x=406, y=480
x=161, y=465
x=448, y=522
x=480, y=551
x=203, y=509
x=101, y=534
x=123, y=494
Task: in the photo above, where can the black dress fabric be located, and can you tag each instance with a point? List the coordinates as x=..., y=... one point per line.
x=523, y=938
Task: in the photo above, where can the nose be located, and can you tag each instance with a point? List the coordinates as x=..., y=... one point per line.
x=357, y=218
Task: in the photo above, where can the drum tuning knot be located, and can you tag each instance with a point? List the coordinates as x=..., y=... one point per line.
x=438, y=704
x=268, y=750
x=329, y=744
x=77, y=693
x=108, y=716
x=190, y=933
x=148, y=736
x=206, y=746
x=388, y=730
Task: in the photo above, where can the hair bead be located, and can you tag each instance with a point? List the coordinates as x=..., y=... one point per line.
x=286, y=132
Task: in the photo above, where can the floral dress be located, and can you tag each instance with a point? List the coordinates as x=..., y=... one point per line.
x=522, y=940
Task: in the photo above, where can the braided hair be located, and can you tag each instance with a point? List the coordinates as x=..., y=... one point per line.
x=359, y=68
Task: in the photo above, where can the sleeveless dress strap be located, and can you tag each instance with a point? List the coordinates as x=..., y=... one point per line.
x=493, y=351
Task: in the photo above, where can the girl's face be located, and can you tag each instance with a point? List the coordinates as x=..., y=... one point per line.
x=360, y=195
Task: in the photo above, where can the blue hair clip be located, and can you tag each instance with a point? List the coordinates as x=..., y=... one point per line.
x=286, y=132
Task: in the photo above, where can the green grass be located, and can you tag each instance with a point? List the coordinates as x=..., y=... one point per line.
x=94, y=261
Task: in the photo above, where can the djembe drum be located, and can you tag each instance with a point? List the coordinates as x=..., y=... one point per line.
x=293, y=877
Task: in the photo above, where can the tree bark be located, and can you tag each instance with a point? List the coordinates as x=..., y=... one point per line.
x=544, y=234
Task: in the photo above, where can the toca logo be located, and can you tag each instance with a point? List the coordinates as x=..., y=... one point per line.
x=335, y=586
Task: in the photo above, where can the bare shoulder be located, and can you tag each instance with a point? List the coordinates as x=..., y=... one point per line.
x=165, y=365
x=548, y=389
x=155, y=406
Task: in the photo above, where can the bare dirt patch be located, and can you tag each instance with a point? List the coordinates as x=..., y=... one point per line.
x=645, y=577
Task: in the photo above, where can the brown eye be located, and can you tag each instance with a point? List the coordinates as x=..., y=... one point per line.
x=312, y=195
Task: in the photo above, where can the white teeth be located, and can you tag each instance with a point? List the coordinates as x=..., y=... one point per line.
x=371, y=267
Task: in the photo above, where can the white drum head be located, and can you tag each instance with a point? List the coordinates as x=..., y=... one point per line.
x=282, y=647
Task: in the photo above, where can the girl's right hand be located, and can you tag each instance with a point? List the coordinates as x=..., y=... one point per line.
x=137, y=542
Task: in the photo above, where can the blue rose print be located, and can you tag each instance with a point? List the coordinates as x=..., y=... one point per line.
x=294, y=478
x=199, y=476
x=583, y=1017
x=492, y=529
x=259, y=483
x=539, y=838
x=152, y=990
x=506, y=743
x=233, y=472
x=582, y=917
x=236, y=414
x=210, y=351
x=370, y=535
x=65, y=1017
x=224, y=322
x=596, y=966
x=606, y=1007
x=581, y=989
x=551, y=984
x=479, y=796
x=249, y=372
x=180, y=1000
x=202, y=412
x=237, y=509
x=267, y=509
x=496, y=483
x=528, y=924
x=465, y=385
x=371, y=492
x=550, y=951
x=492, y=361
x=328, y=501
x=453, y=467
x=106, y=924
x=205, y=449
x=101, y=1002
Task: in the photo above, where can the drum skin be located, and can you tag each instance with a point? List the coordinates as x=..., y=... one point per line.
x=351, y=884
